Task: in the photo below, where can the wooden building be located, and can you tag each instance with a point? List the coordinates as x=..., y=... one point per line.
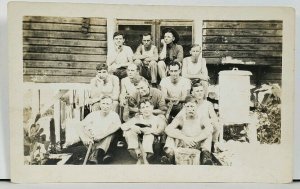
x=66, y=50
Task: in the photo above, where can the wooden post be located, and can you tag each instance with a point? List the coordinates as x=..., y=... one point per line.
x=57, y=118
x=197, y=32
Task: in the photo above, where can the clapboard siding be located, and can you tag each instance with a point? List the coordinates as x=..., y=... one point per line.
x=61, y=49
x=257, y=42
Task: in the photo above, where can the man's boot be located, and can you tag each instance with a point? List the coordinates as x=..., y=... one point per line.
x=206, y=158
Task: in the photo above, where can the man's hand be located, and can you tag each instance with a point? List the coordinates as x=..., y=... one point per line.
x=136, y=129
x=87, y=141
x=163, y=42
x=190, y=142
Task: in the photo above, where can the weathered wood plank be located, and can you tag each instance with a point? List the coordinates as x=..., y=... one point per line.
x=256, y=54
x=64, y=35
x=56, y=79
x=271, y=76
x=247, y=47
x=66, y=57
x=242, y=24
x=71, y=50
x=259, y=61
x=59, y=64
x=242, y=32
x=241, y=40
x=63, y=72
x=62, y=27
x=266, y=81
x=66, y=20
x=273, y=69
x=64, y=42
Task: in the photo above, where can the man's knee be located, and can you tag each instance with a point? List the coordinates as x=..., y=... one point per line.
x=161, y=64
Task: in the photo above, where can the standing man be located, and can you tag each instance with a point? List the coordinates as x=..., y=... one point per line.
x=104, y=84
x=119, y=57
x=191, y=131
x=146, y=56
x=99, y=128
x=170, y=52
x=175, y=89
x=146, y=127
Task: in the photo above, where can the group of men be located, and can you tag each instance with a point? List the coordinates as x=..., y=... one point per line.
x=173, y=113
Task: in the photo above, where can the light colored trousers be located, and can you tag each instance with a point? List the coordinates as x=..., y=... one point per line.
x=132, y=139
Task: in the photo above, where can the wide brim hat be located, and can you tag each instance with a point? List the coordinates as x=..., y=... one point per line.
x=171, y=30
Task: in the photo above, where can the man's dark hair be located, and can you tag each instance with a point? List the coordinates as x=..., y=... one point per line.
x=174, y=63
x=119, y=33
x=190, y=98
x=144, y=101
x=199, y=84
x=101, y=66
x=136, y=80
x=146, y=34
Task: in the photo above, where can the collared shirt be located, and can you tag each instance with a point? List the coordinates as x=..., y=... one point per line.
x=174, y=52
x=155, y=96
x=121, y=57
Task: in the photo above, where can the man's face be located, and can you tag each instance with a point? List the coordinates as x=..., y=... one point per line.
x=146, y=41
x=132, y=71
x=195, y=51
x=168, y=37
x=143, y=88
x=106, y=105
x=146, y=109
x=119, y=40
x=190, y=109
x=198, y=92
x=102, y=74
x=174, y=71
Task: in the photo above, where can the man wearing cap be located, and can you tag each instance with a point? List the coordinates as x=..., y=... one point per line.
x=104, y=84
x=146, y=56
x=119, y=57
x=171, y=51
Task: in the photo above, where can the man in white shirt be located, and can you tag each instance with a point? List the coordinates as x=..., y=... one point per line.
x=98, y=129
x=175, y=89
x=146, y=57
x=147, y=127
x=119, y=57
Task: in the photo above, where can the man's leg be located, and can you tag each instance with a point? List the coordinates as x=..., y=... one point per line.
x=132, y=140
x=205, y=156
x=153, y=69
x=147, y=145
x=102, y=147
x=169, y=147
x=161, y=68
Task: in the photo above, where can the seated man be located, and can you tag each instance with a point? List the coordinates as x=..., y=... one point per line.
x=170, y=52
x=147, y=127
x=99, y=128
x=175, y=89
x=194, y=66
x=128, y=88
x=144, y=91
x=205, y=108
x=192, y=131
x=104, y=84
x=146, y=57
x=119, y=57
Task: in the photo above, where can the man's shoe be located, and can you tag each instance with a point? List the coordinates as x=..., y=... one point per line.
x=100, y=156
x=107, y=158
x=149, y=156
x=165, y=160
x=92, y=162
x=206, y=158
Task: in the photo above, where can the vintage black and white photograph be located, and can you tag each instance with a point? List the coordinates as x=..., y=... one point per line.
x=155, y=97
x=154, y=94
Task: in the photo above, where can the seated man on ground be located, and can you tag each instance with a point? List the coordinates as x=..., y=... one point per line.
x=175, y=89
x=98, y=129
x=194, y=66
x=104, y=84
x=144, y=91
x=146, y=57
x=206, y=109
x=119, y=57
x=146, y=127
x=191, y=131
